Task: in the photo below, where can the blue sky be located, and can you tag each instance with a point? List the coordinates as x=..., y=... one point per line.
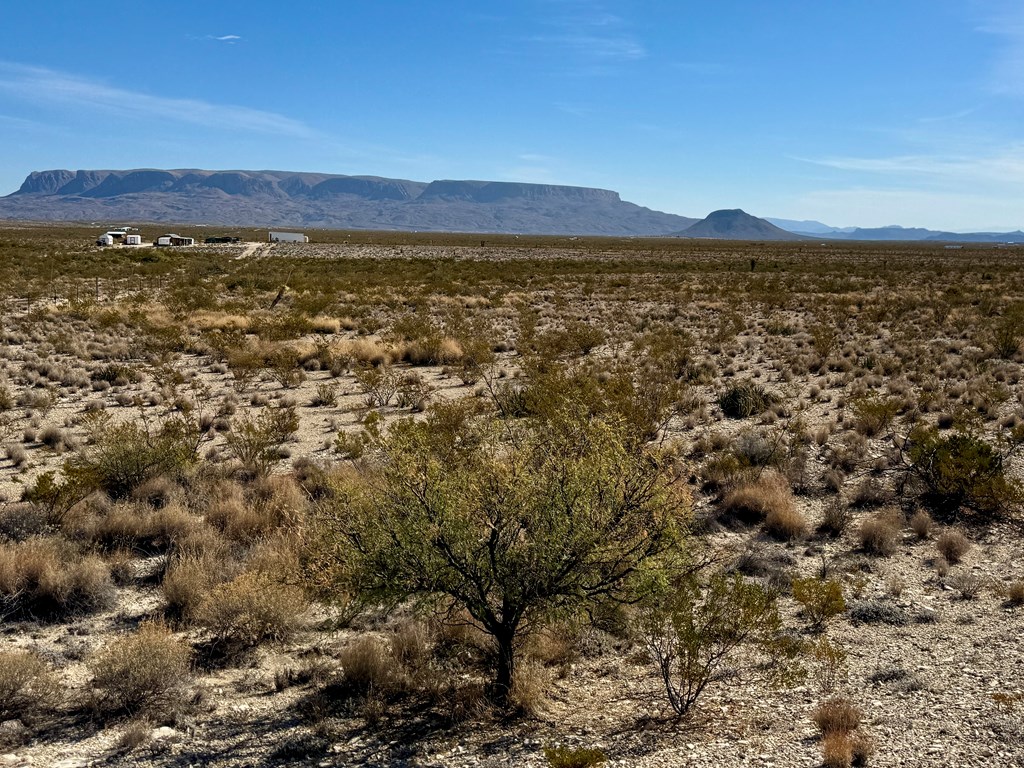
x=855, y=113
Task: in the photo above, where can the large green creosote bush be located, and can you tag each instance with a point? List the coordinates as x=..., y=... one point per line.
x=512, y=522
x=121, y=457
x=963, y=470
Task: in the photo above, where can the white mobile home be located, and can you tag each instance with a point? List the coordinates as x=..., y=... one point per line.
x=288, y=237
x=133, y=239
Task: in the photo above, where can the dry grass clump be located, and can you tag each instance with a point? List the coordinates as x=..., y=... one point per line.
x=785, y=523
x=1015, y=594
x=837, y=750
x=250, y=610
x=28, y=686
x=529, y=685
x=367, y=665
x=837, y=715
x=43, y=578
x=952, y=545
x=140, y=528
x=879, y=535
x=921, y=524
x=145, y=672
x=753, y=502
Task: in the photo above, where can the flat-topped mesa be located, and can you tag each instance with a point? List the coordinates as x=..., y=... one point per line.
x=494, y=191
x=290, y=199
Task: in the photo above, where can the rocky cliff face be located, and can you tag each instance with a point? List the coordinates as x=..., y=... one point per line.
x=277, y=198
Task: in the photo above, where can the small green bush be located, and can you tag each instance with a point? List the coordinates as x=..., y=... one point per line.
x=821, y=600
x=569, y=757
x=745, y=398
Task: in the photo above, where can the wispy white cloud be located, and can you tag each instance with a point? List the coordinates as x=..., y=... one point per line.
x=1005, y=166
x=50, y=87
x=602, y=47
x=591, y=37
x=225, y=38
x=1005, y=22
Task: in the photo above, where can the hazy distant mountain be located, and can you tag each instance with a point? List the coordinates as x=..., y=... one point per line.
x=278, y=198
x=735, y=224
x=806, y=227
x=894, y=232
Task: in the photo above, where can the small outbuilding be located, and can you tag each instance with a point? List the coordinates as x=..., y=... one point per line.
x=133, y=239
x=164, y=240
x=288, y=237
x=104, y=240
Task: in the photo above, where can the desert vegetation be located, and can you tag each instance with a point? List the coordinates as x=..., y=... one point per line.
x=418, y=499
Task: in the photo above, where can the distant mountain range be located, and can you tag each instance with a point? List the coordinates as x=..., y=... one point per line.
x=894, y=232
x=331, y=201
x=284, y=199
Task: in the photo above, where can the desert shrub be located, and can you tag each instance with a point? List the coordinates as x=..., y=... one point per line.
x=785, y=523
x=256, y=441
x=835, y=518
x=743, y=399
x=367, y=665
x=566, y=487
x=870, y=492
x=837, y=750
x=752, y=502
x=28, y=686
x=952, y=545
x=17, y=455
x=144, y=672
x=189, y=579
x=878, y=612
x=1015, y=594
x=830, y=664
x=921, y=523
x=22, y=521
x=250, y=610
x=124, y=456
x=961, y=470
x=43, y=578
x=863, y=747
x=820, y=600
x=837, y=715
x=879, y=535
x=697, y=630
x=378, y=382
x=969, y=585
x=142, y=529
x=529, y=686
x=873, y=413
x=578, y=757
x=326, y=396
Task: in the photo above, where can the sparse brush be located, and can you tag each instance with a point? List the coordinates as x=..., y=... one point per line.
x=744, y=399
x=250, y=610
x=28, y=686
x=145, y=672
x=835, y=518
x=879, y=535
x=837, y=750
x=952, y=545
x=836, y=716
x=921, y=523
x=752, y=502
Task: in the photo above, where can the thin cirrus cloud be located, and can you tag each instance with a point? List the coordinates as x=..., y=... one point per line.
x=49, y=87
x=225, y=38
x=1004, y=167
